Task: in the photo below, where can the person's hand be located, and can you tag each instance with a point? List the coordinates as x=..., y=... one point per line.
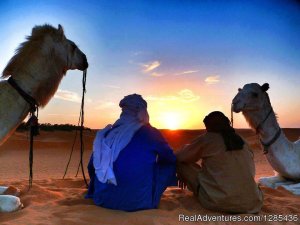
x=181, y=183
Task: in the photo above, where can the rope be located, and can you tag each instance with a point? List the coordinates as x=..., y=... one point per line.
x=231, y=115
x=31, y=157
x=34, y=131
x=78, y=168
x=271, y=142
x=82, y=127
x=264, y=120
x=81, y=122
x=32, y=122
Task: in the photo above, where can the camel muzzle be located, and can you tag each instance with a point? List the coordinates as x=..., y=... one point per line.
x=235, y=107
x=84, y=65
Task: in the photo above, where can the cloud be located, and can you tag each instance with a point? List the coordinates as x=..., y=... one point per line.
x=67, y=96
x=105, y=105
x=111, y=86
x=188, y=96
x=184, y=95
x=136, y=53
x=150, y=66
x=212, y=79
x=187, y=72
x=155, y=74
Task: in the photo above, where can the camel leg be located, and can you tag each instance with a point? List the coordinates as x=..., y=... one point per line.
x=9, y=203
x=274, y=181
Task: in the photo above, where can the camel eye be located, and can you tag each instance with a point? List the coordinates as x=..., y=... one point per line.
x=254, y=94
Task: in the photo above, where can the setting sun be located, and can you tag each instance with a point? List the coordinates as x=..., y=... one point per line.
x=171, y=120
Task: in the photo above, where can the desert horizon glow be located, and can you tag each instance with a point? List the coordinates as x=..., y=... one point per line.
x=185, y=58
x=171, y=120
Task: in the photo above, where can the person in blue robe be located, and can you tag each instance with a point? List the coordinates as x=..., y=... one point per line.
x=132, y=164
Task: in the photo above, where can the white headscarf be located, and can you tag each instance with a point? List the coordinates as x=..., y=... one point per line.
x=110, y=141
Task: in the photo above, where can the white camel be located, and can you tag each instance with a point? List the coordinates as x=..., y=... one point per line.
x=284, y=156
x=37, y=67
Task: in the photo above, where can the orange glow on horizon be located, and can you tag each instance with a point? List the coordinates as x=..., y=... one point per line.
x=174, y=115
x=171, y=107
x=171, y=120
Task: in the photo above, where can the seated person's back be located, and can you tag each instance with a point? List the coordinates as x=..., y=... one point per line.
x=141, y=172
x=225, y=182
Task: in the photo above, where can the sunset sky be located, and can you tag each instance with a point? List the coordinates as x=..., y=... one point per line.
x=186, y=58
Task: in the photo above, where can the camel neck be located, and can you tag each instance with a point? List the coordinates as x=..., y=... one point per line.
x=26, y=82
x=265, y=120
x=41, y=85
x=32, y=102
x=269, y=128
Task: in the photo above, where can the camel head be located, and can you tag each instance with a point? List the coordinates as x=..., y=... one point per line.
x=63, y=48
x=252, y=97
x=46, y=46
x=40, y=62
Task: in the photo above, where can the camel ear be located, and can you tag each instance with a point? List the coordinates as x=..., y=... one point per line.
x=265, y=87
x=61, y=32
x=35, y=30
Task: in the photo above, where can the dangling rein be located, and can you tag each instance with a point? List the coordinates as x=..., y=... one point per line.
x=81, y=118
x=231, y=114
x=34, y=126
x=81, y=122
x=32, y=122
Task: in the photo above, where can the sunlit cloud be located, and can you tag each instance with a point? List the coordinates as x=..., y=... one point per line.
x=150, y=66
x=184, y=95
x=187, y=72
x=188, y=95
x=212, y=79
x=155, y=74
x=67, y=96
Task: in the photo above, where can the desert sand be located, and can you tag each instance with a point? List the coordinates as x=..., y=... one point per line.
x=53, y=200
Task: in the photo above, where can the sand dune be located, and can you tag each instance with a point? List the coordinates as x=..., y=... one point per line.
x=55, y=201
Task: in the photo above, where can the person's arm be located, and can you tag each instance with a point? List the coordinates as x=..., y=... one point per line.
x=191, y=152
x=162, y=148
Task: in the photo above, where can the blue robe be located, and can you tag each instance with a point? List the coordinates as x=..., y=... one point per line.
x=143, y=170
